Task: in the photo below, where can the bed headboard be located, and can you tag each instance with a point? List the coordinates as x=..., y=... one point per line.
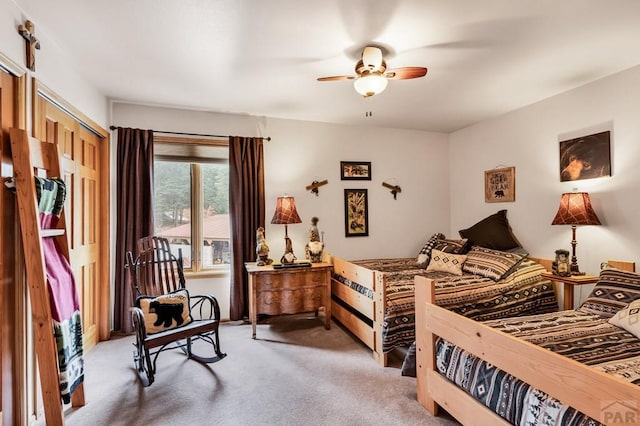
x=544, y=262
x=621, y=264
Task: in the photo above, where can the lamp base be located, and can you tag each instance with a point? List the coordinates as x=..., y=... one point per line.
x=575, y=270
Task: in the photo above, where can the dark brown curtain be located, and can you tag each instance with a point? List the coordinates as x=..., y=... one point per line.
x=134, y=212
x=247, y=210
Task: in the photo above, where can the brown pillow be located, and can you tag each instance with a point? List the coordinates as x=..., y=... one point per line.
x=492, y=232
x=489, y=263
x=452, y=246
x=614, y=290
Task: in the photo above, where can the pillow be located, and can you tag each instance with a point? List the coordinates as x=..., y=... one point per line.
x=425, y=253
x=519, y=250
x=628, y=318
x=492, y=232
x=452, y=246
x=491, y=263
x=614, y=291
x=446, y=262
x=165, y=312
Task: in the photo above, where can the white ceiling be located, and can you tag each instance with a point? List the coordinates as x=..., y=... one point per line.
x=262, y=57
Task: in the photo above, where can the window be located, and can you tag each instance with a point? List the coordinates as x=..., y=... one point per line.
x=191, y=197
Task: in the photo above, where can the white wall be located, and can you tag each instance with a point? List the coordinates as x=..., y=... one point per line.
x=301, y=152
x=53, y=66
x=529, y=140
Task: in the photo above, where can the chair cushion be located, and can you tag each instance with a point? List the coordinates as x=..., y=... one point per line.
x=165, y=312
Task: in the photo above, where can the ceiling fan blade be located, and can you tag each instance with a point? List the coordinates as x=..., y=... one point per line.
x=406, y=73
x=336, y=78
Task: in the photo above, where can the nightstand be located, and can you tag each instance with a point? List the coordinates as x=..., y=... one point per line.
x=289, y=291
x=568, y=284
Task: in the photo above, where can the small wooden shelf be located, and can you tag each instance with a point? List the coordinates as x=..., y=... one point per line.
x=52, y=232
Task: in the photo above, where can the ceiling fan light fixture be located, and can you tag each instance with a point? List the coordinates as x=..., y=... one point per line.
x=372, y=57
x=370, y=84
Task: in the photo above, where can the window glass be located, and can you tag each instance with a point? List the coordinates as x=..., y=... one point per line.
x=172, y=208
x=215, y=216
x=192, y=205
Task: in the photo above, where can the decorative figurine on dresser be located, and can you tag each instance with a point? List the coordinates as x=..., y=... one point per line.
x=561, y=265
x=315, y=246
x=262, y=249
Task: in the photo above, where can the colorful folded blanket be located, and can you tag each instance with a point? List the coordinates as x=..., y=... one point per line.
x=63, y=296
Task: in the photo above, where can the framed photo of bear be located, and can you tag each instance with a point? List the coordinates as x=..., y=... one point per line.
x=500, y=185
x=586, y=157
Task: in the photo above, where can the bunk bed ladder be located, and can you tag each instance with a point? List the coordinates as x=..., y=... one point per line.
x=31, y=158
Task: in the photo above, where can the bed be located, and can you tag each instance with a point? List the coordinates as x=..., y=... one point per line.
x=374, y=299
x=523, y=367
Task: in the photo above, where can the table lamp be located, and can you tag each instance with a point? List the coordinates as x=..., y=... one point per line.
x=286, y=214
x=575, y=209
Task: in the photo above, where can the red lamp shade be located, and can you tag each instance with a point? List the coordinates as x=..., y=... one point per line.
x=575, y=209
x=286, y=212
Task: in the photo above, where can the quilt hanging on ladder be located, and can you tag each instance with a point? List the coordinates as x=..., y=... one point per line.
x=63, y=297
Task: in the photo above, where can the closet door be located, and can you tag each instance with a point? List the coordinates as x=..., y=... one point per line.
x=11, y=306
x=83, y=174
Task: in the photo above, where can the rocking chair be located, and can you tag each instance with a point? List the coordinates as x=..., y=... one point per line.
x=164, y=315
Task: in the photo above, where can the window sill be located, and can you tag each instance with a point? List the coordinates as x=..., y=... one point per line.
x=209, y=273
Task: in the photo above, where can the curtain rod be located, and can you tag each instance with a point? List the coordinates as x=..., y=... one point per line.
x=191, y=134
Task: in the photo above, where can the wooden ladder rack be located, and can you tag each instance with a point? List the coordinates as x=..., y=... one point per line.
x=29, y=155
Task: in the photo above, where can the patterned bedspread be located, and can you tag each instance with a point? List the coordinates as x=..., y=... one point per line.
x=583, y=337
x=523, y=292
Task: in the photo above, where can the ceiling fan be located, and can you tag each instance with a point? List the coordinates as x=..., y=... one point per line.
x=371, y=73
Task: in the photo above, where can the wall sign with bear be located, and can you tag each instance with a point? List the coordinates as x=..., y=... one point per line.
x=500, y=185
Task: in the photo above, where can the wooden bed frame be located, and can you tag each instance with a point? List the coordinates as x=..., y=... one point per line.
x=569, y=381
x=359, y=306
x=372, y=309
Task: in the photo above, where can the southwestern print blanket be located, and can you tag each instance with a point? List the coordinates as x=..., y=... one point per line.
x=583, y=337
x=63, y=297
x=523, y=292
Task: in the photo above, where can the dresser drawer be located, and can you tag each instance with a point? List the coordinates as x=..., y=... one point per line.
x=293, y=290
x=307, y=299
x=290, y=281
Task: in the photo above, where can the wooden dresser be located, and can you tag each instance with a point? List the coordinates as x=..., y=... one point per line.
x=289, y=291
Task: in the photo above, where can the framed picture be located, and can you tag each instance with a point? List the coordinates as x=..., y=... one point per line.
x=356, y=213
x=355, y=170
x=586, y=157
x=500, y=185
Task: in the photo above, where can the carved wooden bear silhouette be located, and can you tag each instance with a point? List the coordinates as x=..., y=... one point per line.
x=166, y=312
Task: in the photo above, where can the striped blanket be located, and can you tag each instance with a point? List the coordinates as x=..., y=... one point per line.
x=523, y=292
x=63, y=297
x=583, y=337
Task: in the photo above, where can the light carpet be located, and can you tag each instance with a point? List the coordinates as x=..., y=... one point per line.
x=294, y=373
